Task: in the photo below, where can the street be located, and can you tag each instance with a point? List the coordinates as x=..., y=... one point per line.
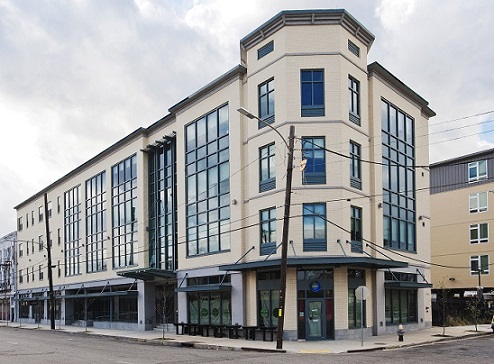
x=20, y=346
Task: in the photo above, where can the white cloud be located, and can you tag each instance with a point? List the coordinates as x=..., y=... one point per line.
x=394, y=14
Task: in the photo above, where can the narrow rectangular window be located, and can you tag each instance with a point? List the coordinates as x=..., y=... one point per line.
x=354, y=100
x=355, y=166
x=267, y=168
x=477, y=171
x=478, y=202
x=314, y=225
x=40, y=213
x=313, y=151
x=312, y=92
x=266, y=102
x=479, y=264
x=352, y=47
x=479, y=233
x=49, y=209
x=268, y=231
x=19, y=224
x=356, y=229
x=265, y=49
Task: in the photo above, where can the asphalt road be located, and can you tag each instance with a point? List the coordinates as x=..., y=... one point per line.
x=21, y=346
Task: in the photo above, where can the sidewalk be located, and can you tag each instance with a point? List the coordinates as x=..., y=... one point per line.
x=315, y=347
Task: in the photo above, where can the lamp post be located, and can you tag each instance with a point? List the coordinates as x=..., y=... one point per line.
x=286, y=221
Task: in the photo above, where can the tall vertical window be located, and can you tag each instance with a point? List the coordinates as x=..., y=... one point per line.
x=267, y=168
x=72, y=219
x=27, y=221
x=312, y=92
x=478, y=202
x=208, y=184
x=354, y=100
x=355, y=166
x=58, y=205
x=314, y=221
x=400, y=306
x=40, y=243
x=356, y=229
x=479, y=233
x=356, y=278
x=19, y=224
x=313, y=151
x=40, y=213
x=96, y=223
x=124, y=197
x=268, y=231
x=479, y=263
x=398, y=153
x=477, y=171
x=49, y=209
x=163, y=206
x=266, y=102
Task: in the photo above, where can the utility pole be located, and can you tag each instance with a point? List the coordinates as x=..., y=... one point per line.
x=284, y=239
x=50, y=276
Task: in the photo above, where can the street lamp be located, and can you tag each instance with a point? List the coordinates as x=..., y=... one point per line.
x=50, y=273
x=286, y=221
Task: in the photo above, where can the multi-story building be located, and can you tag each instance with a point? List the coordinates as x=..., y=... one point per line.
x=182, y=221
x=461, y=249
x=7, y=276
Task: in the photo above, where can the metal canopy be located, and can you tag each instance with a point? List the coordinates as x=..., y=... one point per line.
x=409, y=285
x=147, y=274
x=206, y=288
x=364, y=262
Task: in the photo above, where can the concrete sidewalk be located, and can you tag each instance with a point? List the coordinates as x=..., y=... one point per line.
x=155, y=337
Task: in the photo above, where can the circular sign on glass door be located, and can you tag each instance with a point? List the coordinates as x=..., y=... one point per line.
x=315, y=286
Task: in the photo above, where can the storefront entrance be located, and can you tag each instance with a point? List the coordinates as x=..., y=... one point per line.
x=315, y=304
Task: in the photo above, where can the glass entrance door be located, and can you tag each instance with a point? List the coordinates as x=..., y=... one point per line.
x=315, y=319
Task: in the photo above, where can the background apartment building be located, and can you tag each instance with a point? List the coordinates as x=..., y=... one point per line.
x=8, y=285
x=182, y=221
x=462, y=253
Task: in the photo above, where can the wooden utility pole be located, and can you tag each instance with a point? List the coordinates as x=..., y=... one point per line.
x=50, y=276
x=284, y=239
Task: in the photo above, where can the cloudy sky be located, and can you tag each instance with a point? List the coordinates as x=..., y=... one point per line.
x=76, y=76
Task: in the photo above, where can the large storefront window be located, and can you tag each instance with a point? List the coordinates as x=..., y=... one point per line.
x=269, y=303
x=356, y=278
x=401, y=306
x=210, y=308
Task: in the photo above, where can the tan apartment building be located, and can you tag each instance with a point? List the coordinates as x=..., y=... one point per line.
x=461, y=213
x=182, y=221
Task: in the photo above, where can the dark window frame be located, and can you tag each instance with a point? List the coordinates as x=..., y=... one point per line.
x=267, y=154
x=266, y=106
x=310, y=220
x=315, y=154
x=312, y=93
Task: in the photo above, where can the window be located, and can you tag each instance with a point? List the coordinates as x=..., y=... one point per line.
x=27, y=221
x=479, y=233
x=356, y=229
x=478, y=202
x=480, y=264
x=210, y=308
x=21, y=250
x=58, y=205
x=313, y=151
x=477, y=171
x=355, y=166
x=352, y=47
x=21, y=277
x=265, y=49
x=40, y=243
x=40, y=272
x=40, y=213
x=354, y=100
x=266, y=102
x=398, y=176
x=400, y=306
x=267, y=168
x=32, y=218
x=49, y=209
x=19, y=224
x=314, y=221
x=267, y=231
x=356, y=278
x=95, y=223
x=59, y=237
x=72, y=223
x=208, y=183
x=312, y=89
x=124, y=224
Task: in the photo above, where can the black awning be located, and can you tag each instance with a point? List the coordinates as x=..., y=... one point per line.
x=147, y=274
x=322, y=261
x=132, y=293
x=226, y=287
x=406, y=285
